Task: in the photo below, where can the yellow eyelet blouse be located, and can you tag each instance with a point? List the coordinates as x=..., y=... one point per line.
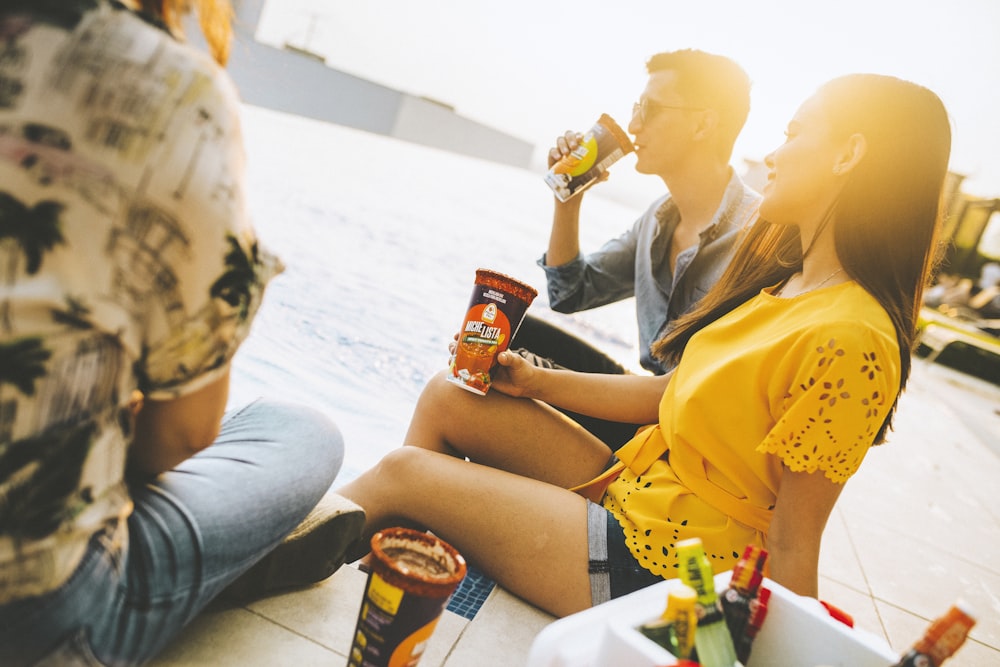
x=805, y=382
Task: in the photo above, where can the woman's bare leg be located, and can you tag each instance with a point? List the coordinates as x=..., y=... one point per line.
x=518, y=435
x=529, y=536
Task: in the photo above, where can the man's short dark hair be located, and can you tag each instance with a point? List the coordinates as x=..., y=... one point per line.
x=709, y=80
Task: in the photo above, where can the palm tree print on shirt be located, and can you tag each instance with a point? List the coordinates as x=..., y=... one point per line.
x=62, y=13
x=26, y=235
x=29, y=232
x=22, y=363
x=39, y=479
x=234, y=286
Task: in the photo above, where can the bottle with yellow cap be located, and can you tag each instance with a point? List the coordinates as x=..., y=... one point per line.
x=674, y=629
x=681, y=612
x=711, y=639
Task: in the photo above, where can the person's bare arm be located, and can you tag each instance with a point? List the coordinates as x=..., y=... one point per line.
x=633, y=399
x=804, y=503
x=564, y=238
x=168, y=432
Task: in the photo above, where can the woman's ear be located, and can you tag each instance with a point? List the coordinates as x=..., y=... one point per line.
x=852, y=154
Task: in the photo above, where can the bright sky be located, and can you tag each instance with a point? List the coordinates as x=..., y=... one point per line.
x=535, y=68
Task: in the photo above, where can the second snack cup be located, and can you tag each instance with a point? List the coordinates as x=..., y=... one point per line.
x=412, y=576
x=495, y=312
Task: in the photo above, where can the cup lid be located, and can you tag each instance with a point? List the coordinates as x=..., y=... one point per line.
x=389, y=544
x=608, y=123
x=498, y=280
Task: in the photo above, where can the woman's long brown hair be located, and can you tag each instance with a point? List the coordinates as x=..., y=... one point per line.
x=214, y=16
x=885, y=222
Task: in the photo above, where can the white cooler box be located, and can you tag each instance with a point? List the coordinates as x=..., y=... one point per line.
x=798, y=632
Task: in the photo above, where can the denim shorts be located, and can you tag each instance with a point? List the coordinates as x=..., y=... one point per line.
x=614, y=571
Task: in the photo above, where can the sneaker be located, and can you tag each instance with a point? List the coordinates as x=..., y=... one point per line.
x=312, y=552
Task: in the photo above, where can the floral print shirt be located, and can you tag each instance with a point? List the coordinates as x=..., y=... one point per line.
x=126, y=261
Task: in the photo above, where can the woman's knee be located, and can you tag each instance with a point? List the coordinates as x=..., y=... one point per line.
x=402, y=461
x=405, y=467
x=438, y=401
x=436, y=390
x=441, y=398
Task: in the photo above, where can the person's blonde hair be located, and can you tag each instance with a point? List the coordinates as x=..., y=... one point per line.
x=214, y=16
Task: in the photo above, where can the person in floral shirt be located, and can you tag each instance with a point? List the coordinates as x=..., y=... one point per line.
x=129, y=276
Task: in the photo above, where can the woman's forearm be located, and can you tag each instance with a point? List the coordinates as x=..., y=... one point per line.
x=632, y=399
x=801, y=511
x=794, y=569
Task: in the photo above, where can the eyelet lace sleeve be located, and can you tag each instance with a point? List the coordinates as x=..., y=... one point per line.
x=845, y=380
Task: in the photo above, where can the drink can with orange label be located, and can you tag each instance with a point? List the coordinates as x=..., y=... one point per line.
x=412, y=576
x=495, y=312
x=603, y=145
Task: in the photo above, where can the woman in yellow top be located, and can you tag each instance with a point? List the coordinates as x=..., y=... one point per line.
x=791, y=370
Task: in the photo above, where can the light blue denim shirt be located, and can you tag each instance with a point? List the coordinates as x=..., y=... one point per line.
x=637, y=264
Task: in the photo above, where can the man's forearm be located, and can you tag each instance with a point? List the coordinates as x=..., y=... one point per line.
x=564, y=239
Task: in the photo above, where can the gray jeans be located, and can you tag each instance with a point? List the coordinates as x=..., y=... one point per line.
x=194, y=530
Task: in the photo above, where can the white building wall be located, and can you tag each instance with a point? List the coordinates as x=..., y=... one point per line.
x=296, y=83
x=426, y=122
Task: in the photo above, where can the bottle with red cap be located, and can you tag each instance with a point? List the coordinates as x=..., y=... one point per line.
x=940, y=641
x=738, y=599
x=758, y=612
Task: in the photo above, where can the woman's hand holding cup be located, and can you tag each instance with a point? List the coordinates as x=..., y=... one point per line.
x=513, y=375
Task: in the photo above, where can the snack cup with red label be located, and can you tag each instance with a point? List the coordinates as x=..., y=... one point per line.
x=495, y=312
